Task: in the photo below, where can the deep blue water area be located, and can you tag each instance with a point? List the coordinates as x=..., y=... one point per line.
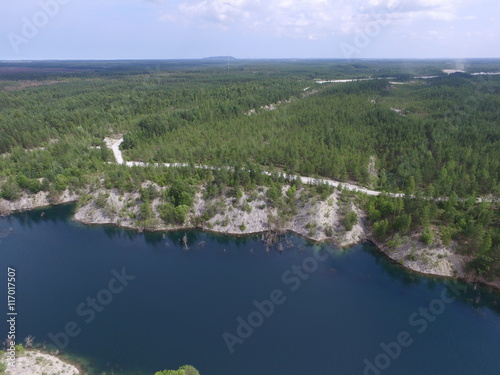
x=136, y=303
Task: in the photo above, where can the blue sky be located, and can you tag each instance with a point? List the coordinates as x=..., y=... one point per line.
x=170, y=29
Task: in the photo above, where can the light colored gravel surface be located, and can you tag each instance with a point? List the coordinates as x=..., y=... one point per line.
x=36, y=363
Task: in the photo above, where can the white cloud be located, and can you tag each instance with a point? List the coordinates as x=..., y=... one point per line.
x=442, y=10
x=309, y=18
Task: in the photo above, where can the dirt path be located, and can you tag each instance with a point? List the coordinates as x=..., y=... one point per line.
x=114, y=145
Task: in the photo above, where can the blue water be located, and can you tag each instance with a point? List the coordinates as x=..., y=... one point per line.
x=330, y=318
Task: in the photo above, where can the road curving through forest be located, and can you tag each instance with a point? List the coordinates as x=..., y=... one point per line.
x=114, y=145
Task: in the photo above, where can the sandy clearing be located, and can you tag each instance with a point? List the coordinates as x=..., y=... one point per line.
x=114, y=145
x=37, y=363
x=453, y=71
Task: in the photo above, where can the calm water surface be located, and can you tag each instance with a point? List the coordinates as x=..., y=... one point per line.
x=334, y=314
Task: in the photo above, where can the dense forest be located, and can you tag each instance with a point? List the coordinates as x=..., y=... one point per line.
x=405, y=126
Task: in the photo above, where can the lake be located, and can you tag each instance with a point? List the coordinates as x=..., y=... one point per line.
x=132, y=303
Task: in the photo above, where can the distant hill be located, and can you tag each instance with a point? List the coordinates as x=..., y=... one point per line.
x=220, y=58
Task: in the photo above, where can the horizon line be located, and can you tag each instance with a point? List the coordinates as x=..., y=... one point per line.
x=221, y=57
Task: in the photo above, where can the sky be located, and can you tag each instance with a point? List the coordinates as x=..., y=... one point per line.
x=177, y=29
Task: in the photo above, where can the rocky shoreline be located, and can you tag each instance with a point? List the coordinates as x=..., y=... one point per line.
x=34, y=362
x=249, y=214
x=317, y=220
x=31, y=201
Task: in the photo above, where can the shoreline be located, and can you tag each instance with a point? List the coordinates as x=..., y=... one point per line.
x=453, y=269
x=39, y=362
x=494, y=285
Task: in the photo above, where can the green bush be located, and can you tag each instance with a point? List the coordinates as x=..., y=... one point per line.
x=167, y=212
x=173, y=215
x=274, y=193
x=181, y=213
x=402, y=223
x=61, y=182
x=446, y=234
x=329, y=231
x=10, y=190
x=246, y=207
x=3, y=365
x=20, y=349
x=84, y=199
x=102, y=200
x=146, y=211
x=180, y=193
x=184, y=370
x=380, y=229
x=149, y=194
x=350, y=219
x=32, y=185
x=427, y=236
